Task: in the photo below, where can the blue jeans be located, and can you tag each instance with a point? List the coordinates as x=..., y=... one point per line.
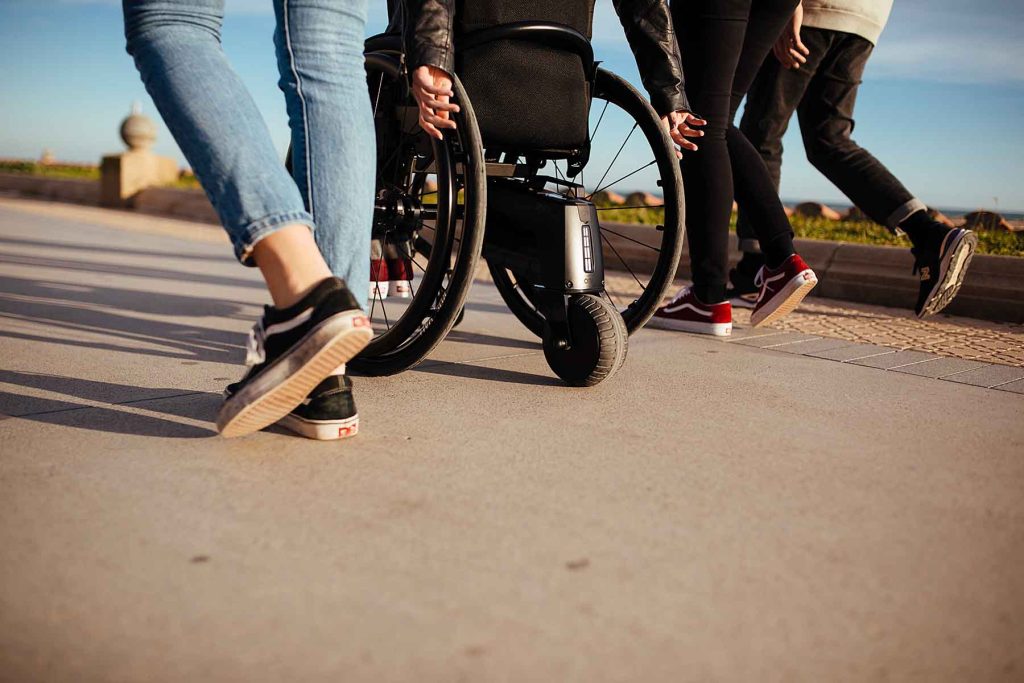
x=176, y=47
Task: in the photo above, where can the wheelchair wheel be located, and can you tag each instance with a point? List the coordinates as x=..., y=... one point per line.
x=642, y=238
x=598, y=346
x=430, y=208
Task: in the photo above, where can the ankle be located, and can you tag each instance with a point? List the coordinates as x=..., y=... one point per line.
x=919, y=227
x=291, y=264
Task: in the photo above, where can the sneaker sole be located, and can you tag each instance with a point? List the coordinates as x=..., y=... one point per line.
x=951, y=274
x=321, y=430
x=281, y=387
x=713, y=329
x=789, y=298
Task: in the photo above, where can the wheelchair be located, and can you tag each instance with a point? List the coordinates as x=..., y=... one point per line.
x=520, y=184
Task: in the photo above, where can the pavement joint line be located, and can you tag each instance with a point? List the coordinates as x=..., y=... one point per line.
x=996, y=386
x=916, y=362
x=773, y=333
x=101, y=404
x=887, y=351
x=960, y=372
x=793, y=343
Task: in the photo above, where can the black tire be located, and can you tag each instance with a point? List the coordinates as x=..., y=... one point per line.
x=451, y=251
x=653, y=279
x=599, y=343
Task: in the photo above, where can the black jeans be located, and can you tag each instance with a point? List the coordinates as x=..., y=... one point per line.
x=724, y=43
x=823, y=93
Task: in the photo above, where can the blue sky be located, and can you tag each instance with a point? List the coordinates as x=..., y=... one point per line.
x=942, y=104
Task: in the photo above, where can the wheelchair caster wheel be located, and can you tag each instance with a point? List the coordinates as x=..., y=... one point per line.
x=598, y=347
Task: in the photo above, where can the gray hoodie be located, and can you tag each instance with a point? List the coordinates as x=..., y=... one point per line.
x=865, y=18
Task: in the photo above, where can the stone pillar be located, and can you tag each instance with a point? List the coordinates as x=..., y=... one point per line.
x=122, y=176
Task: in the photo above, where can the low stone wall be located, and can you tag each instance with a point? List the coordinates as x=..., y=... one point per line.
x=54, y=189
x=879, y=275
x=176, y=202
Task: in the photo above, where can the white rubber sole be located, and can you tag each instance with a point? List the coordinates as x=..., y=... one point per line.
x=400, y=289
x=378, y=290
x=951, y=275
x=285, y=384
x=785, y=301
x=713, y=329
x=321, y=430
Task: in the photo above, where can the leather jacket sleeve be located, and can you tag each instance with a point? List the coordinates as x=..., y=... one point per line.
x=429, y=28
x=652, y=37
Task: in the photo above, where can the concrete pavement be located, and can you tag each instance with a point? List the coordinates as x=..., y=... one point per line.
x=717, y=511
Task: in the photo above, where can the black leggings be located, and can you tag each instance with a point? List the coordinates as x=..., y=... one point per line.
x=723, y=43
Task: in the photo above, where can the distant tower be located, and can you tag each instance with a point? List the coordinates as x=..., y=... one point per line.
x=138, y=131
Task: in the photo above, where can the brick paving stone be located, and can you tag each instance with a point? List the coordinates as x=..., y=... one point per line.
x=894, y=360
x=1016, y=387
x=854, y=351
x=991, y=376
x=941, y=367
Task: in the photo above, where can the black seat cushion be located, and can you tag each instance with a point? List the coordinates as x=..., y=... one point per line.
x=527, y=96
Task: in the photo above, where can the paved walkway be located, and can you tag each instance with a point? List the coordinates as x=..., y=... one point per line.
x=718, y=511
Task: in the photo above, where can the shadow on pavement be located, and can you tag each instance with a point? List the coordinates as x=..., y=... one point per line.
x=105, y=249
x=458, y=335
x=116, y=418
x=125, y=269
x=490, y=374
x=90, y=309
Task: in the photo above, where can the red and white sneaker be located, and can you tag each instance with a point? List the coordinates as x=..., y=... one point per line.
x=378, y=279
x=782, y=289
x=400, y=277
x=688, y=313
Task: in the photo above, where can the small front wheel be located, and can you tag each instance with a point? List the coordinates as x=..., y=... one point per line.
x=598, y=343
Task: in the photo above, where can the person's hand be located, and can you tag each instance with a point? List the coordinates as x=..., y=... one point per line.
x=788, y=49
x=678, y=124
x=432, y=88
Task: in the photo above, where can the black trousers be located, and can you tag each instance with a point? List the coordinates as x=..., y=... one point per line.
x=823, y=92
x=724, y=43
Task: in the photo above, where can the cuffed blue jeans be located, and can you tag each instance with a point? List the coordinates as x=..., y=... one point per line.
x=213, y=118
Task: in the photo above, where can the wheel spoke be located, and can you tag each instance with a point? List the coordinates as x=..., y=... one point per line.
x=623, y=262
x=630, y=239
x=600, y=118
x=619, y=180
x=619, y=208
x=615, y=158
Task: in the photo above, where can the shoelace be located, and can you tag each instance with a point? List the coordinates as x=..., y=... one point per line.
x=759, y=278
x=255, y=353
x=679, y=296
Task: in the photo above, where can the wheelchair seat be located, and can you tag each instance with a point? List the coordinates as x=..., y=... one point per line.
x=531, y=88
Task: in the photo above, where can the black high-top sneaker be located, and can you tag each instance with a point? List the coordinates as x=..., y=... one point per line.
x=291, y=351
x=329, y=412
x=941, y=261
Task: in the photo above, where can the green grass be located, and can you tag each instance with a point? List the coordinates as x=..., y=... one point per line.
x=51, y=170
x=859, y=232
x=76, y=171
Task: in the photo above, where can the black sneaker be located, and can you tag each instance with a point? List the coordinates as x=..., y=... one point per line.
x=742, y=292
x=290, y=352
x=942, y=263
x=329, y=412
